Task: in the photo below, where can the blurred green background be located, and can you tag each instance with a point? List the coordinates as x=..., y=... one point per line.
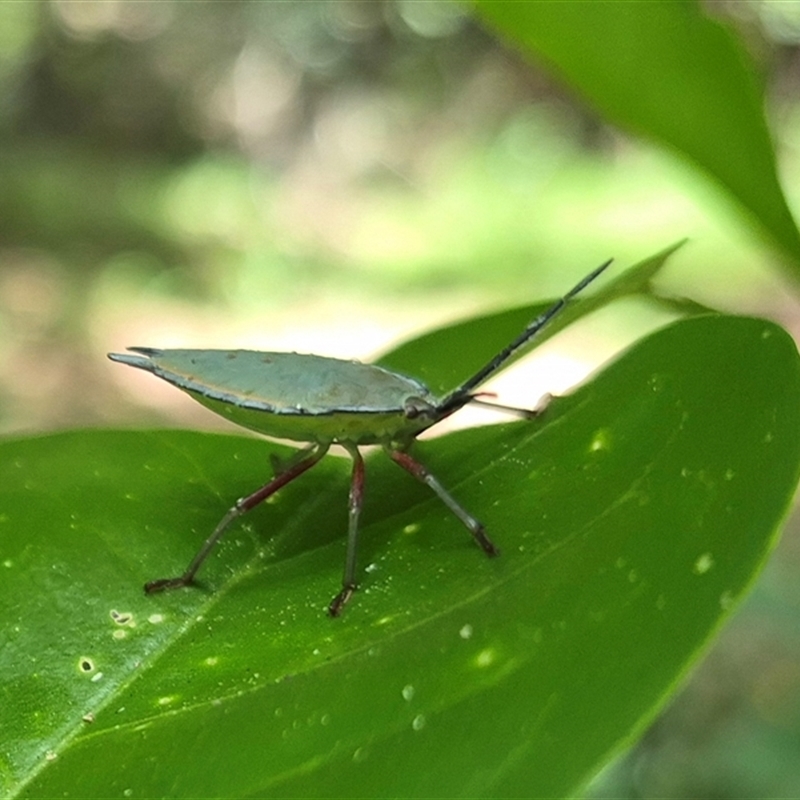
x=332, y=176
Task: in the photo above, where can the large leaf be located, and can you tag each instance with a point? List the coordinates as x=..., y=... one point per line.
x=668, y=71
x=631, y=517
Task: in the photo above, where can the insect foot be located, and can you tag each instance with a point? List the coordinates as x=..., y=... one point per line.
x=341, y=599
x=164, y=584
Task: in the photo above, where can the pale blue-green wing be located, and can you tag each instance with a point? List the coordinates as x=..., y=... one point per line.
x=290, y=395
x=279, y=382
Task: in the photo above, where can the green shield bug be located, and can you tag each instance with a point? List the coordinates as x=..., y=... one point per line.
x=323, y=401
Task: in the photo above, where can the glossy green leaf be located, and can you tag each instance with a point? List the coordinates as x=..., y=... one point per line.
x=671, y=72
x=632, y=517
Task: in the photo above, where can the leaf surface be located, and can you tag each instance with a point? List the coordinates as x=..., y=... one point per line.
x=631, y=517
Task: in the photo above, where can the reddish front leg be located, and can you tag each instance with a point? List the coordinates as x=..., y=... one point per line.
x=356, y=502
x=421, y=473
x=242, y=506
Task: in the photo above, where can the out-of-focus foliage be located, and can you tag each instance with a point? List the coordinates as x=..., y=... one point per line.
x=218, y=168
x=199, y=173
x=183, y=169
x=677, y=76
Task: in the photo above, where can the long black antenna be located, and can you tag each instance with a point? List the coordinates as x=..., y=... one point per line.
x=459, y=396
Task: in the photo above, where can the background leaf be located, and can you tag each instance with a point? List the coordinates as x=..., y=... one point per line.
x=668, y=71
x=450, y=674
x=446, y=357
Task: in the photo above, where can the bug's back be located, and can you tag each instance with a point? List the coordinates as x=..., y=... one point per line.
x=292, y=395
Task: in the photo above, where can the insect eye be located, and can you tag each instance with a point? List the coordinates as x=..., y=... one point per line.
x=415, y=407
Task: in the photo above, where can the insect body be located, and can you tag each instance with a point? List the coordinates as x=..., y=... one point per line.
x=324, y=401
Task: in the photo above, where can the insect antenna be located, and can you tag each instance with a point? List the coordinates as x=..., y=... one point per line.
x=461, y=395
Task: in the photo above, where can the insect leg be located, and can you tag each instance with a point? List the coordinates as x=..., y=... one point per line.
x=421, y=473
x=280, y=465
x=356, y=501
x=242, y=506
